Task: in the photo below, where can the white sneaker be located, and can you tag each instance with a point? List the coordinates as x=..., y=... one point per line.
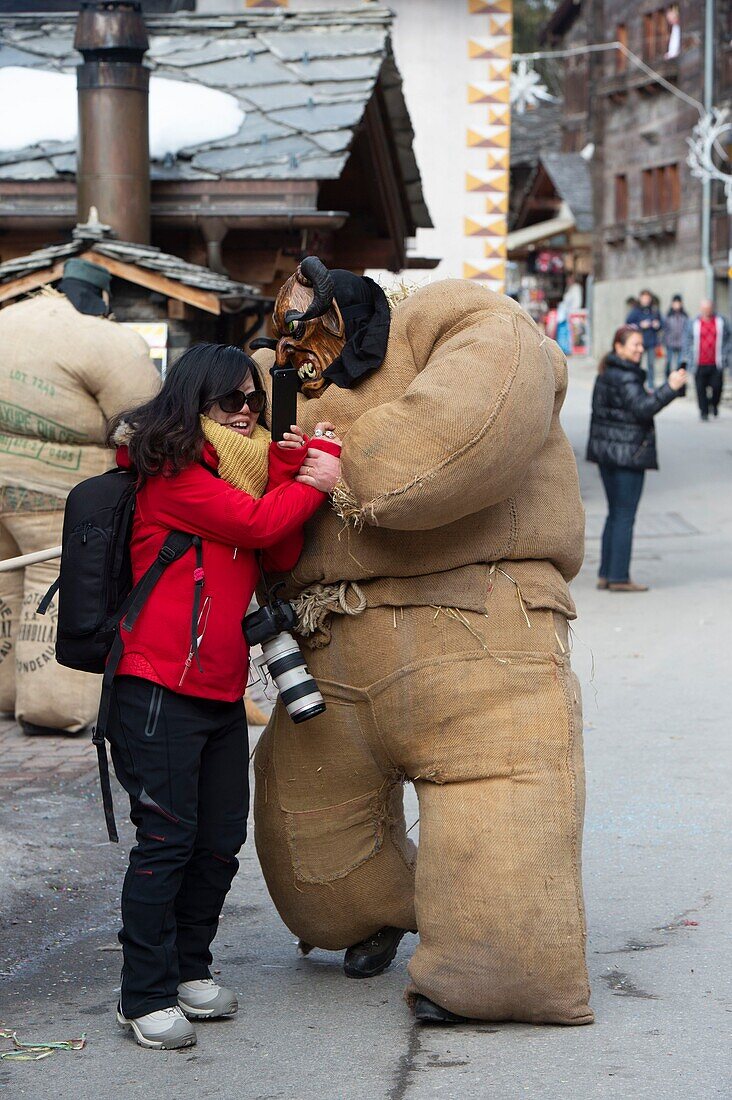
x=165, y=1029
x=205, y=1000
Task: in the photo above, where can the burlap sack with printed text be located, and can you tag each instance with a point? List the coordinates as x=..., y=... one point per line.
x=62, y=375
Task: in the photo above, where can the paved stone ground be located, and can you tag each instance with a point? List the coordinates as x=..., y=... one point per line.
x=656, y=859
x=27, y=763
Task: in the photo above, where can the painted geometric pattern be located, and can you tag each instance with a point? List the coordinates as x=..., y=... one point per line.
x=266, y=3
x=488, y=141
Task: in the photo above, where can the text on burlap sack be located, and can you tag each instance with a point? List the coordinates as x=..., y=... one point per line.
x=26, y=422
x=49, y=454
x=6, y=629
x=32, y=380
x=37, y=633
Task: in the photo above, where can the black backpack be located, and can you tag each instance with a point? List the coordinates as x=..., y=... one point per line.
x=96, y=596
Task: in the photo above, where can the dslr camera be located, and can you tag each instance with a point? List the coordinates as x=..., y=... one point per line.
x=270, y=627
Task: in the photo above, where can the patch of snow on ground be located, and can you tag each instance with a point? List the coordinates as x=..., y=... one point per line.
x=182, y=114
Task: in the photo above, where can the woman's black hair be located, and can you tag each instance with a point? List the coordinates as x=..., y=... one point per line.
x=166, y=433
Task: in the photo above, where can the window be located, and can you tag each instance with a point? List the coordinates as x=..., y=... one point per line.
x=655, y=34
x=661, y=190
x=670, y=191
x=621, y=199
x=621, y=36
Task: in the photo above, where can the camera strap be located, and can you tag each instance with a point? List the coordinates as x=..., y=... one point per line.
x=265, y=582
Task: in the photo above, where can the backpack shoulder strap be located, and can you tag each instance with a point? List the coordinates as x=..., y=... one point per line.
x=174, y=547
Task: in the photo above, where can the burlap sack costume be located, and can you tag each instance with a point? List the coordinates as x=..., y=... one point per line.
x=460, y=524
x=62, y=374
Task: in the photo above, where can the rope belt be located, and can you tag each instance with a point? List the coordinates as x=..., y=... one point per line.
x=316, y=606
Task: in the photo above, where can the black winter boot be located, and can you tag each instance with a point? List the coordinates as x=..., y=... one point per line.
x=372, y=956
x=427, y=1012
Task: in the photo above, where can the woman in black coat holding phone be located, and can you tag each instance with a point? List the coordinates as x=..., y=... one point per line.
x=623, y=444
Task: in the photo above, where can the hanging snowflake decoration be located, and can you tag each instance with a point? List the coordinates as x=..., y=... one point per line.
x=527, y=89
x=705, y=140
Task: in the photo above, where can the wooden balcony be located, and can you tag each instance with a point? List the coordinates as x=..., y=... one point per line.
x=655, y=227
x=615, y=234
x=619, y=84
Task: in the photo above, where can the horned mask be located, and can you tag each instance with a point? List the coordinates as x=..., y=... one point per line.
x=308, y=324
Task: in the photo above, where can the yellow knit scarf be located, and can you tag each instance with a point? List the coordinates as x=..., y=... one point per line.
x=243, y=460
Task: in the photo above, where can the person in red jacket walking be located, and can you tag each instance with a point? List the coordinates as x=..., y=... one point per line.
x=177, y=725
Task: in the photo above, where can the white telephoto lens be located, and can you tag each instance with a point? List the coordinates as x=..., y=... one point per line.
x=298, y=690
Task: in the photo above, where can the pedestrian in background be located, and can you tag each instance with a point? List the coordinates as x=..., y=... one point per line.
x=570, y=303
x=707, y=351
x=647, y=318
x=675, y=336
x=623, y=444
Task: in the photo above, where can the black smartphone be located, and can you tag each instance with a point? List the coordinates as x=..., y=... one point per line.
x=284, y=400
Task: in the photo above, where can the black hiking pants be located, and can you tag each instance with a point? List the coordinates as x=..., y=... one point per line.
x=184, y=763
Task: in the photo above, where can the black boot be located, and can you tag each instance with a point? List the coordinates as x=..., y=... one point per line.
x=372, y=956
x=427, y=1012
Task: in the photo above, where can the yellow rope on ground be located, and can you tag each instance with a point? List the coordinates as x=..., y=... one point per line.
x=33, y=1052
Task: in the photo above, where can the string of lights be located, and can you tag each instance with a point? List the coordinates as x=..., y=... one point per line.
x=529, y=84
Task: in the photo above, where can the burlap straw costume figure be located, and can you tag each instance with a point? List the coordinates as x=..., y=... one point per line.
x=63, y=372
x=436, y=594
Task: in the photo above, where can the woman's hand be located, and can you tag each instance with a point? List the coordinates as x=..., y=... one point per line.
x=677, y=379
x=326, y=430
x=293, y=439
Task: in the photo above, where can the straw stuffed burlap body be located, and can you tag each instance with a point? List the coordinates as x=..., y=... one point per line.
x=468, y=525
x=62, y=374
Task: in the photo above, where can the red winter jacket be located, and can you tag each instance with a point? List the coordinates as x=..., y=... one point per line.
x=232, y=525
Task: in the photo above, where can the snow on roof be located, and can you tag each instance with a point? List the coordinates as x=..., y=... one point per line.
x=301, y=80
x=182, y=114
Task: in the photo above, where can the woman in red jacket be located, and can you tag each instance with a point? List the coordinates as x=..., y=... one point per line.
x=177, y=725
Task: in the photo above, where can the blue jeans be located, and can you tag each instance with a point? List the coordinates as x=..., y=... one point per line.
x=649, y=359
x=623, y=489
x=673, y=359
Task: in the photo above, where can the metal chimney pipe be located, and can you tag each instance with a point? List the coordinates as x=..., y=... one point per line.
x=113, y=169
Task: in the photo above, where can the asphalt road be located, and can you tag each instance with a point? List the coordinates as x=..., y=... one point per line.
x=657, y=855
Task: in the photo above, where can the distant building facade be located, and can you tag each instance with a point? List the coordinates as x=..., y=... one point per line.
x=648, y=208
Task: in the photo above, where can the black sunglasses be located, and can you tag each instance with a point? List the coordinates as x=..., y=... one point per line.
x=235, y=400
